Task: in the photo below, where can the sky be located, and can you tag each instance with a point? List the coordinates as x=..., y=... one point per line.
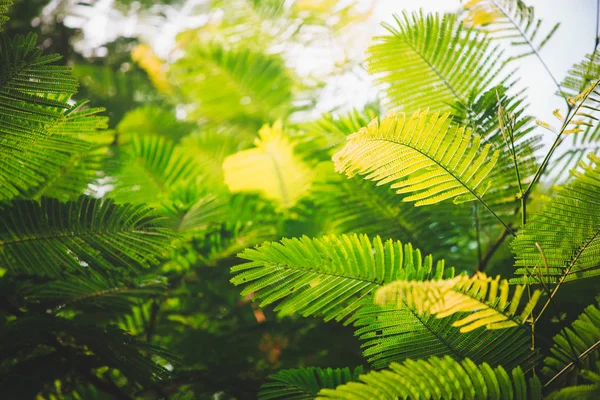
x=571, y=42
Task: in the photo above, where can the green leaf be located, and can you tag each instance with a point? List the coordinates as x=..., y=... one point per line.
x=487, y=302
x=93, y=291
x=51, y=238
x=42, y=132
x=422, y=155
x=439, y=378
x=305, y=383
x=429, y=61
x=588, y=391
x=567, y=230
x=150, y=168
x=575, y=348
x=508, y=19
x=335, y=277
x=222, y=84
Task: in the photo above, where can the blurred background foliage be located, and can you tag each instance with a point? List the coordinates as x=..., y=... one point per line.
x=174, y=119
x=201, y=128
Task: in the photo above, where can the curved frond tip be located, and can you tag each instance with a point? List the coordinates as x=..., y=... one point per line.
x=422, y=155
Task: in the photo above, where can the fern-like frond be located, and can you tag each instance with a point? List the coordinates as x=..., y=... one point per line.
x=233, y=84
x=439, y=378
x=29, y=80
x=488, y=302
x=149, y=167
x=109, y=346
x=327, y=276
x=582, y=75
x=430, y=61
x=394, y=334
x=305, y=383
x=152, y=121
x=358, y=206
x=42, y=132
x=335, y=277
x=509, y=19
x=271, y=168
x=4, y=9
x=590, y=390
x=561, y=242
x=482, y=114
x=81, y=168
x=51, y=238
x=575, y=348
x=423, y=155
x=94, y=291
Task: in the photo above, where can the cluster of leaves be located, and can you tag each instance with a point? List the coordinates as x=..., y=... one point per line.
x=435, y=333
x=117, y=245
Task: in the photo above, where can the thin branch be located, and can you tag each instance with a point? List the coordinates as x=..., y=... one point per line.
x=570, y=115
x=493, y=248
x=568, y=269
x=573, y=362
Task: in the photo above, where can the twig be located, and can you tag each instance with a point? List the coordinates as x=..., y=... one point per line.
x=575, y=361
x=493, y=248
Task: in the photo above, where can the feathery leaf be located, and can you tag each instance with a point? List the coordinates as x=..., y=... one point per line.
x=51, y=238
x=422, y=155
x=432, y=62
x=575, y=348
x=305, y=383
x=335, y=277
x=487, y=301
x=508, y=19
x=567, y=230
x=439, y=378
x=150, y=167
